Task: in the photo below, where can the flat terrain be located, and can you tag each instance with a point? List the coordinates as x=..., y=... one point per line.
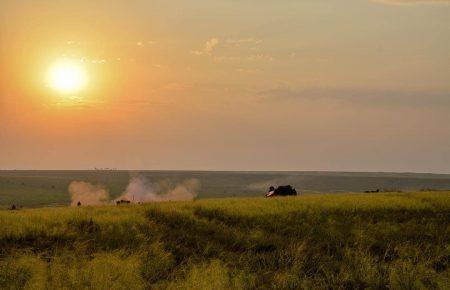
x=339, y=241
x=50, y=188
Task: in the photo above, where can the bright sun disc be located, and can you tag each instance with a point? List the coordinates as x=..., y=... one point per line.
x=67, y=76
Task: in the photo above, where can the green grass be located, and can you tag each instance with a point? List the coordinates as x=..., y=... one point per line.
x=344, y=241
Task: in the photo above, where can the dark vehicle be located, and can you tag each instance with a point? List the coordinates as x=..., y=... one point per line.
x=123, y=201
x=372, y=191
x=282, y=190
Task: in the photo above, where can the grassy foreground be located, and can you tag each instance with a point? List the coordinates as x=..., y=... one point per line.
x=376, y=241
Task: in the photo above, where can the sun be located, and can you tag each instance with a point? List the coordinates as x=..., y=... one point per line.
x=67, y=76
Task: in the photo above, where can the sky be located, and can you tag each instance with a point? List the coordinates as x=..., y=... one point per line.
x=351, y=85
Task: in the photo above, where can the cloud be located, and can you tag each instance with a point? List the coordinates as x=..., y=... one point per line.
x=235, y=50
x=252, y=58
x=370, y=97
x=209, y=48
x=211, y=45
x=197, y=52
x=250, y=42
x=247, y=71
x=414, y=2
x=260, y=57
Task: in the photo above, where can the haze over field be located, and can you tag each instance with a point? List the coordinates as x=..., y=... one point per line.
x=354, y=85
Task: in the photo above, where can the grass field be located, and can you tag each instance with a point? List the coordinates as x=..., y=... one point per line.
x=340, y=241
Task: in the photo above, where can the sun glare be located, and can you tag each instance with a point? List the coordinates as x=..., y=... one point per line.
x=67, y=76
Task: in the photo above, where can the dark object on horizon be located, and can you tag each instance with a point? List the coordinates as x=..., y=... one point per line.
x=372, y=191
x=282, y=190
x=79, y=203
x=13, y=207
x=122, y=201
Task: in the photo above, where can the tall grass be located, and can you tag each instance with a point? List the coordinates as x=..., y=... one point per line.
x=349, y=241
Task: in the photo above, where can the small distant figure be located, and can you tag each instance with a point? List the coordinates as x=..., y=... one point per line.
x=79, y=203
x=282, y=190
x=372, y=191
x=13, y=207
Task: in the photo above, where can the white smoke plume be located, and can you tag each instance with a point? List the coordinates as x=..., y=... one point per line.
x=140, y=189
x=87, y=193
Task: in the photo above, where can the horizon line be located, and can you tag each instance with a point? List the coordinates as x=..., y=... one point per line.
x=227, y=170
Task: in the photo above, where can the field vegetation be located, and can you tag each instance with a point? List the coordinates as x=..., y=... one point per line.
x=340, y=241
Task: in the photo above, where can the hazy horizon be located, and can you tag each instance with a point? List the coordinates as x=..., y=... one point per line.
x=136, y=171
x=346, y=86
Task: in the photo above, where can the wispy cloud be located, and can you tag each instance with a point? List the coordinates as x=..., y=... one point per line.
x=252, y=58
x=235, y=51
x=251, y=43
x=211, y=45
x=209, y=48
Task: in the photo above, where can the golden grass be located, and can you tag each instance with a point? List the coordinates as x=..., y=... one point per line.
x=380, y=240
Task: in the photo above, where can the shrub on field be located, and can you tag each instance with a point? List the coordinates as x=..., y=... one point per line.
x=20, y=272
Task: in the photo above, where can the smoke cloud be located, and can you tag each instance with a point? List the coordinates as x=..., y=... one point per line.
x=140, y=189
x=87, y=193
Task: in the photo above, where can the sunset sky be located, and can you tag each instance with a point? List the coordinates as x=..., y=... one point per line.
x=351, y=85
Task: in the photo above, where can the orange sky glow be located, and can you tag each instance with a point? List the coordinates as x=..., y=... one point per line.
x=226, y=85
